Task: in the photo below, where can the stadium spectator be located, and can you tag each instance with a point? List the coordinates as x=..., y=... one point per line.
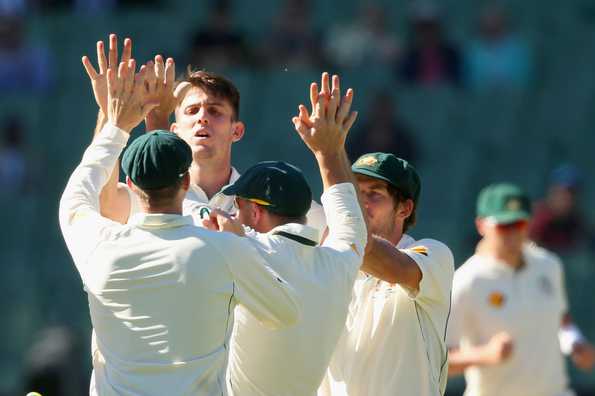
x=430, y=58
x=383, y=130
x=13, y=162
x=219, y=44
x=294, y=41
x=53, y=364
x=498, y=57
x=23, y=66
x=559, y=223
x=367, y=41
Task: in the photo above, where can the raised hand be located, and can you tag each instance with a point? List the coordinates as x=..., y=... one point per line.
x=221, y=221
x=324, y=129
x=99, y=79
x=127, y=102
x=159, y=85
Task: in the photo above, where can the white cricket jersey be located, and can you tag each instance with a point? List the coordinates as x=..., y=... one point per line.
x=197, y=204
x=490, y=297
x=394, y=338
x=292, y=361
x=161, y=291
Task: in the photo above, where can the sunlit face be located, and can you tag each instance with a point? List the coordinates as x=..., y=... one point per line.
x=510, y=237
x=245, y=212
x=207, y=124
x=379, y=206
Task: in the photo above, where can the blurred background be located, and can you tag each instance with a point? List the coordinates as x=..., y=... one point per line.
x=471, y=92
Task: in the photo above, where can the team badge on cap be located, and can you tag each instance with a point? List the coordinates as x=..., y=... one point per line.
x=366, y=161
x=496, y=299
x=513, y=204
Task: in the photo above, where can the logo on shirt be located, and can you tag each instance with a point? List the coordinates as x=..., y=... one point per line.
x=204, y=212
x=496, y=299
x=419, y=249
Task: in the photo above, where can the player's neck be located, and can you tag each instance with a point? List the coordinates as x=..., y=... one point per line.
x=513, y=259
x=210, y=176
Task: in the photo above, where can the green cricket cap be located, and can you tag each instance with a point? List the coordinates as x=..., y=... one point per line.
x=156, y=160
x=503, y=203
x=276, y=185
x=393, y=170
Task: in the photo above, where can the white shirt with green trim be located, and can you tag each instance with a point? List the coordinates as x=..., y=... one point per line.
x=292, y=361
x=394, y=338
x=491, y=297
x=161, y=291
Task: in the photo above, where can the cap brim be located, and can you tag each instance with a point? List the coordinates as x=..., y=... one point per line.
x=232, y=189
x=373, y=174
x=509, y=217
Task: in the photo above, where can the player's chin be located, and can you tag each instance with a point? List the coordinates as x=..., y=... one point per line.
x=202, y=152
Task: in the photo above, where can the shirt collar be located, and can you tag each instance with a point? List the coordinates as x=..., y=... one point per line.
x=301, y=230
x=405, y=241
x=219, y=200
x=159, y=220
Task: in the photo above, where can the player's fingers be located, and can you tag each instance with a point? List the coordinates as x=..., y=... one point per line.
x=170, y=73
x=150, y=77
x=334, y=99
x=112, y=82
x=313, y=94
x=325, y=82
x=350, y=121
x=127, y=50
x=113, y=50
x=345, y=106
x=159, y=69
x=101, y=60
x=304, y=116
x=91, y=72
x=299, y=126
x=122, y=69
x=130, y=77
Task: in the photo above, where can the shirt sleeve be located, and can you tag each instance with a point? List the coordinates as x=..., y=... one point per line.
x=258, y=288
x=344, y=218
x=459, y=322
x=82, y=226
x=315, y=217
x=436, y=264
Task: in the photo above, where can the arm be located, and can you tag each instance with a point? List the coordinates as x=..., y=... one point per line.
x=258, y=288
x=385, y=262
x=496, y=351
x=324, y=133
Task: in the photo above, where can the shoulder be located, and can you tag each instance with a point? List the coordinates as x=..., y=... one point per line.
x=468, y=274
x=544, y=258
x=433, y=250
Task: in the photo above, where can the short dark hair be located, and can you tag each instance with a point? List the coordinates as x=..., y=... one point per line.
x=398, y=197
x=160, y=197
x=216, y=85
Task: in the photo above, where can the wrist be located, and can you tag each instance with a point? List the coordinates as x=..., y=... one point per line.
x=569, y=336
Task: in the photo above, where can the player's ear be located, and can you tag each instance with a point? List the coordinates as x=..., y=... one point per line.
x=186, y=181
x=238, y=129
x=405, y=209
x=129, y=183
x=173, y=128
x=480, y=225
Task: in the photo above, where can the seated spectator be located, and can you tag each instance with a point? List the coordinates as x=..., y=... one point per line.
x=498, y=58
x=219, y=44
x=368, y=40
x=430, y=58
x=13, y=163
x=382, y=130
x=293, y=41
x=23, y=67
x=558, y=223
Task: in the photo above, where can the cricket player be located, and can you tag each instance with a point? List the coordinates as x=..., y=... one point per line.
x=509, y=323
x=273, y=198
x=206, y=108
x=161, y=291
x=394, y=338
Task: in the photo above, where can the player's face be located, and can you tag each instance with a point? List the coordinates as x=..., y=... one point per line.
x=379, y=206
x=509, y=237
x=207, y=124
x=245, y=212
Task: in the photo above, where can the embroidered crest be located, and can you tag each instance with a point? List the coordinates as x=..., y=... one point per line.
x=513, y=204
x=366, y=161
x=496, y=299
x=419, y=249
x=204, y=212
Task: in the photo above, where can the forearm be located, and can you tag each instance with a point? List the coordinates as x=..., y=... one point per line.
x=461, y=359
x=84, y=186
x=333, y=168
x=385, y=262
x=156, y=120
x=101, y=121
